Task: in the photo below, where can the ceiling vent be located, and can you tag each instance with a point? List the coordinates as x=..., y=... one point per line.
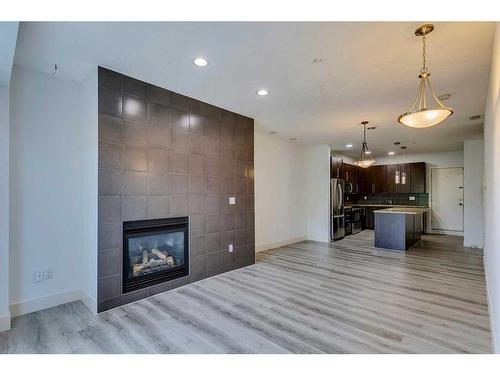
x=475, y=117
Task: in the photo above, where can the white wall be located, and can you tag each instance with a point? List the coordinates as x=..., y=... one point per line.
x=89, y=160
x=47, y=190
x=473, y=197
x=491, y=192
x=279, y=192
x=317, y=192
x=4, y=209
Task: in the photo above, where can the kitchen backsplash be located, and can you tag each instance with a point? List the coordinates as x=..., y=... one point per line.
x=389, y=198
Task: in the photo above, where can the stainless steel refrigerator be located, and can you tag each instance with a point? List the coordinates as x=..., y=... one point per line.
x=337, y=221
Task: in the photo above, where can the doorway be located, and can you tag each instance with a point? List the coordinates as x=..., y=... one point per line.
x=447, y=200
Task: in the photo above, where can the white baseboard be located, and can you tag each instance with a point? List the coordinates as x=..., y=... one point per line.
x=89, y=302
x=4, y=322
x=45, y=302
x=278, y=244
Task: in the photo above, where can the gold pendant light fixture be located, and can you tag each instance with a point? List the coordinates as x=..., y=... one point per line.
x=365, y=160
x=424, y=112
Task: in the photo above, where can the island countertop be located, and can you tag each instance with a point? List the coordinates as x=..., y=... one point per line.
x=403, y=210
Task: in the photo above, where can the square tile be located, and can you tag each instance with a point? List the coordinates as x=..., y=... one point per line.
x=135, y=159
x=228, y=117
x=226, y=207
x=109, y=287
x=240, y=237
x=178, y=162
x=198, y=246
x=227, y=151
x=109, y=181
x=110, y=129
x=250, y=206
x=213, y=204
x=179, y=120
x=135, y=295
x=159, y=95
x=158, y=206
x=197, y=124
x=228, y=222
x=228, y=185
x=213, y=128
x=110, y=102
x=228, y=168
x=250, y=186
x=213, y=223
x=179, y=141
x=134, y=207
x=251, y=219
x=180, y=102
x=228, y=260
x=134, y=134
x=197, y=144
x=110, y=155
x=197, y=204
x=214, y=261
x=134, y=183
x=241, y=220
x=197, y=185
x=109, y=262
x=227, y=133
x=241, y=185
x=180, y=184
x=213, y=185
x=110, y=79
x=109, y=236
x=158, y=161
x=179, y=205
x=158, y=136
x=240, y=168
x=197, y=223
x=213, y=148
x=241, y=203
x=159, y=184
x=198, y=265
x=197, y=165
x=213, y=166
x=159, y=115
x=241, y=152
x=134, y=109
x=160, y=288
x=213, y=242
x=250, y=234
x=110, y=209
x=135, y=87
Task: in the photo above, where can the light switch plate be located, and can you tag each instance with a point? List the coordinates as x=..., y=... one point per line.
x=230, y=247
x=412, y=198
x=232, y=200
x=38, y=276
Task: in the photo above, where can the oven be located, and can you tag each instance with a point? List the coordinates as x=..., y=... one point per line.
x=356, y=219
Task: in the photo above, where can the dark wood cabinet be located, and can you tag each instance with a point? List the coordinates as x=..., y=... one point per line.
x=377, y=175
x=335, y=167
x=404, y=187
x=390, y=178
x=417, y=177
x=350, y=175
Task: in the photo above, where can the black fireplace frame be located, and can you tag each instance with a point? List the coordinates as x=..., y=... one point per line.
x=155, y=226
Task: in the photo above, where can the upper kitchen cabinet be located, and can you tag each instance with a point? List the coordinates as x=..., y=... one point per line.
x=349, y=174
x=391, y=171
x=335, y=167
x=417, y=177
x=377, y=175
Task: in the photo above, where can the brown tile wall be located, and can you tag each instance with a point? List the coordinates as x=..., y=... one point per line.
x=162, y=155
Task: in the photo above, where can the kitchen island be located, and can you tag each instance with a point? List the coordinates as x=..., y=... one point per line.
x=398, y=228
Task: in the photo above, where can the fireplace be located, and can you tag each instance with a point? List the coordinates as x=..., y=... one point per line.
x=154, y=251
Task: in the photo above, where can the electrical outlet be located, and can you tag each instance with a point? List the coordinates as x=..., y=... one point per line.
x=49, y=274
x=38, y=276
x=232, y=200
x=230, y=247
x=412, y=198
x=365, y=198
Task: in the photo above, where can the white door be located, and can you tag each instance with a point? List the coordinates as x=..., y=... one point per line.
x=447, y=195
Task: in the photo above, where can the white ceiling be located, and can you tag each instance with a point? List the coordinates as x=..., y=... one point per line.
x=368, y=72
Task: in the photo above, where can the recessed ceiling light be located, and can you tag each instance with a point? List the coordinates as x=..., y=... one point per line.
x=200, y=61
x=317, y=60
x=391, y=153
x=444, y=96
x=348, y=145
x=272, y=132
x=293, y=139
x=262, y=92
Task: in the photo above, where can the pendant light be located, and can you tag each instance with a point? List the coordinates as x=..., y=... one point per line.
x=425, y=113
x=365, y=160
x=403, y=172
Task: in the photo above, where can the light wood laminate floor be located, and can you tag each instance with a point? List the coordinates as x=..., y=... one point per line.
x=309, y=297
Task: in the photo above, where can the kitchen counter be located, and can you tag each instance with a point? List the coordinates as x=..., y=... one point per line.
x=398, y=228
x=382, y=205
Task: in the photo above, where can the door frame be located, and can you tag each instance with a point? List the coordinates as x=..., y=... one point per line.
x=429, y=219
